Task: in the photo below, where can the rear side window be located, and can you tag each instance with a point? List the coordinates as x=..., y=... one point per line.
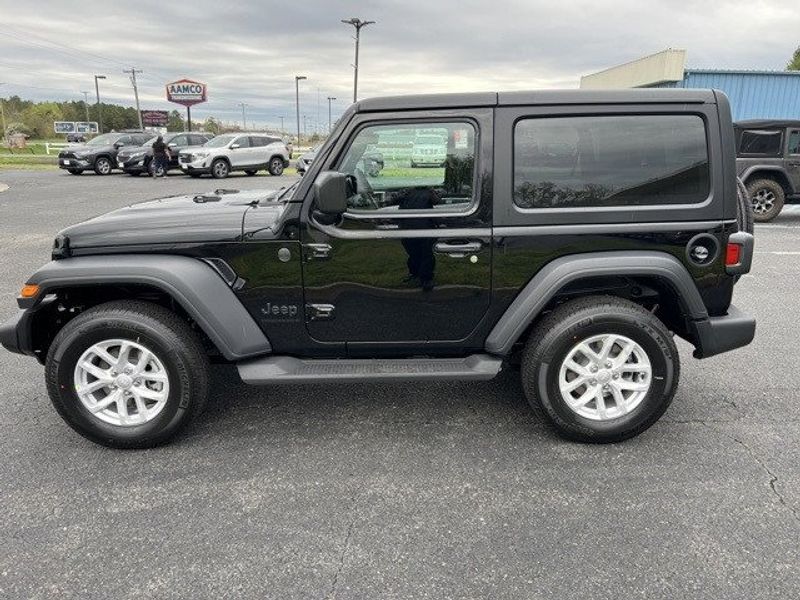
x=608, y=161
x=761, y=142
x=794, y=142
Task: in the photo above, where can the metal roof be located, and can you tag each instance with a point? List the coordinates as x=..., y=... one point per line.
x=766, y=123
x=541, y=97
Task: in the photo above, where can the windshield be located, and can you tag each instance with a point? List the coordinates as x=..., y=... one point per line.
x=151, y=141
x=103, y=140
x=219, y=141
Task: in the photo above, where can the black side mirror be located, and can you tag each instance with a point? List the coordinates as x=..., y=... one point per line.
x=330, y=192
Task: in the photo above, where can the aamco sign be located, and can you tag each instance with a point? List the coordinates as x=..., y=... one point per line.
x=186, y=92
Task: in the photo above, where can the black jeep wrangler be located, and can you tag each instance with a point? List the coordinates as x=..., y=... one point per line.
x=571, y=234
x=768, y=161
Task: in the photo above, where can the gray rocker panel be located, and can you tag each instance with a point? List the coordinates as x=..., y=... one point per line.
x=193, y=284
x=286, y=369
x=555, y=275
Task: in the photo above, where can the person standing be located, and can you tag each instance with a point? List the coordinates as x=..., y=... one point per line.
x=160, y=158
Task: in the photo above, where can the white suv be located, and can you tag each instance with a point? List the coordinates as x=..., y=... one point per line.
x=248, y=152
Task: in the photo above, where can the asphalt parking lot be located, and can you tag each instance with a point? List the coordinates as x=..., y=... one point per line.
x=403, y=491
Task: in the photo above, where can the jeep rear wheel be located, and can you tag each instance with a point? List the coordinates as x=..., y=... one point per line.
x=276, y=166
x=220, y=169
x=102, y=166
x=603, y=369
x=767, y=197
x=127, y=374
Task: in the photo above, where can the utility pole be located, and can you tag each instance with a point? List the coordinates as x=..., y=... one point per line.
x=305, y=125
x=358, y=24
x=297, y=79
x=86, y=104
x=99, y=106
x=244, y=115
x=329, y=113
x=283, y=130
x=2, y=117
x=133, y=71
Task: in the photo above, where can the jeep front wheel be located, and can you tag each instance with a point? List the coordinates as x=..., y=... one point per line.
x=767, y=196
x=603, y=369
x=220, y=169
x=127, y=374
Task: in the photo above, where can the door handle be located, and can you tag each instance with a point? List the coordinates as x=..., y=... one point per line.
x=457, y=249
x=317, y=251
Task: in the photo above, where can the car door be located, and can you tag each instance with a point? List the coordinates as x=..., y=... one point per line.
x=793, y=159
x=176, y=144
x=240, y=155
x=410, y=260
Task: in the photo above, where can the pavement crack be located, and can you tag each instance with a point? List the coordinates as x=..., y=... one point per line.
x=345, y=547
x=773, y=478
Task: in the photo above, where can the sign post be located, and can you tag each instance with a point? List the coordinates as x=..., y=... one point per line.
x=187, y=93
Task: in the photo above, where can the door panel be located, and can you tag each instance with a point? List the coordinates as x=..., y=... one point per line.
x=240, y=156
x=411, y=260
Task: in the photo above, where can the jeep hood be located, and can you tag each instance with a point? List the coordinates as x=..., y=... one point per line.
x=217, y=216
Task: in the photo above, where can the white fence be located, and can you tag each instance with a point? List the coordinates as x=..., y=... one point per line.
x=54, y=146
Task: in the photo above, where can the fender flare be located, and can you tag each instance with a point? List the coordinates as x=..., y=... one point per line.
x=196, y=286
x=555, y=275
x=772, y=169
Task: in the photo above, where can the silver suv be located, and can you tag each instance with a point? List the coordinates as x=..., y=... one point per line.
x=248, y=152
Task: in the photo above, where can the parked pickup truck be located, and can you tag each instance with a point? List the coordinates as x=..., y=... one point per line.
x=572, y=234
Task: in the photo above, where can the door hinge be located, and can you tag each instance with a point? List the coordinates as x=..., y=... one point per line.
x=317, y=251
x=319, y=312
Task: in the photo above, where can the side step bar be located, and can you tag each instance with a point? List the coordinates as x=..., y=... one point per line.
x=286, y=369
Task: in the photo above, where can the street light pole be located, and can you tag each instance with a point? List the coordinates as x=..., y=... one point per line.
x=358, y=24
x=2, y=117
x=297, y=79
x=86, y=104
x=99, y=107
x=329, y=112
x=244, y=115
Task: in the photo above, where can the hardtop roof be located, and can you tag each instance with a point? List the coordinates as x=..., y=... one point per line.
x=540, y=97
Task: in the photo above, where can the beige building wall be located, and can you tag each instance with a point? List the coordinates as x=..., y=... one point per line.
x=668, y=65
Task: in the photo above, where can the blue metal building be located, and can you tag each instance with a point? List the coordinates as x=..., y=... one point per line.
x=753, y=94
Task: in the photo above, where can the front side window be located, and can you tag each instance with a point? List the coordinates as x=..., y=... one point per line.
x=761, y=142
x=794, y=142
x=610, y=161
x=412, y=166
x=243, y=141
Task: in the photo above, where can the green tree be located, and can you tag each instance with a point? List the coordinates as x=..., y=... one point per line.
x=175, y=122
x=210, y=125
x=39, y=118
x=794, y=64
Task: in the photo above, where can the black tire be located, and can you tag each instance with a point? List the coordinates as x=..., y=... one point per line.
x=275, y=166
x=194, y=175
x=744, y=212
x=766, y=198
x=134, y=173
x=220, y=169
x=75, y=171
x=250, y=172
x=103, y=166
x=160, y=331
x=556, y=335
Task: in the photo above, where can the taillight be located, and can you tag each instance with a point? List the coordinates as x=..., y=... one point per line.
x=733, y=254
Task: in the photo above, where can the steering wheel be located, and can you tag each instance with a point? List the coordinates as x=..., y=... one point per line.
x=364, y=188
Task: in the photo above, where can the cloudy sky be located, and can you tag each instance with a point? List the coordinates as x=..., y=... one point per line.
x=249, y=50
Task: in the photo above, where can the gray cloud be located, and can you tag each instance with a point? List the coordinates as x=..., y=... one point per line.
x=249, y=51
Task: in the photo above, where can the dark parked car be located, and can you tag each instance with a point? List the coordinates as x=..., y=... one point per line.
x=136, y=160
x=768, y=161
x=76, y=138
x=612, y=225
x=373, y=162
x=99, y=153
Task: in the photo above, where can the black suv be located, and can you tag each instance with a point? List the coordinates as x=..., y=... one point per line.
x=136, y=160
x=571, y=234
x=768, y=161
x=99, y=153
